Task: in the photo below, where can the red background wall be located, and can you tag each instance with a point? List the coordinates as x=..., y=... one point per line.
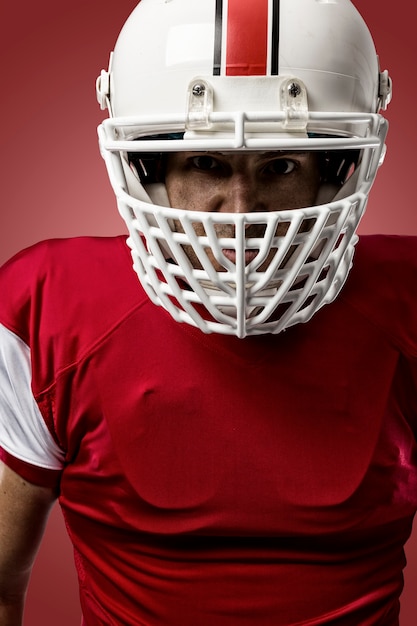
x=54, y=182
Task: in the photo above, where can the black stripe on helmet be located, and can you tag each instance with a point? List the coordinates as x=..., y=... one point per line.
x=275, y=38
x=218, y=34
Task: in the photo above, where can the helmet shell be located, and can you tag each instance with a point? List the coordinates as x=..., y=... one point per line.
x=165, y=44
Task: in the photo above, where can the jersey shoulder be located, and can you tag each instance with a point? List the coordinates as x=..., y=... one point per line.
x=382, y=286
x=63, y=295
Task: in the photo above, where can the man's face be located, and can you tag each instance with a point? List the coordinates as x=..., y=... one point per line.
x=232, y=182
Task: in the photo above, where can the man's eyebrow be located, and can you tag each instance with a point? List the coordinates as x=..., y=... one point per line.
x=274, y=153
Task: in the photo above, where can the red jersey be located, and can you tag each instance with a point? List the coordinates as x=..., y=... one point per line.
x=208, y=480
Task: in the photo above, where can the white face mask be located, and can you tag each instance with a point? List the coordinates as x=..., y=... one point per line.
x=309, y=250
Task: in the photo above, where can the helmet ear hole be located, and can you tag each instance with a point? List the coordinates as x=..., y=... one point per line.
x=143, y=187
x=336, y=169
x=149, y=167
x=337, y=166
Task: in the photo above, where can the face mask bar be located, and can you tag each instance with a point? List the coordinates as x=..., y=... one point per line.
x=238, y=130
x=309, y=250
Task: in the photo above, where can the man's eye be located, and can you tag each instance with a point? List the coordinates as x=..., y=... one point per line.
x=279, y=167
x=205, y=162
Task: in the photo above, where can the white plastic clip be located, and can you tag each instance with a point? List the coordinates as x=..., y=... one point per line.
x=295, y=104
x=199, y=105
x=103, y=87
x=385, y=90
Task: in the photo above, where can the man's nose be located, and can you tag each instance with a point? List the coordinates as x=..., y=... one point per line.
x=243, y=194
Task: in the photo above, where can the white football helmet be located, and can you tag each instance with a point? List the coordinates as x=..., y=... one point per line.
x=243, y=75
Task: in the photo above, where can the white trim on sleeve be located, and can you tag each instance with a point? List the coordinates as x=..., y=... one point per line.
x=23, y=432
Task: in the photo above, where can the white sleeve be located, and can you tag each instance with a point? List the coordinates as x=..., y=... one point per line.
x=23, y=432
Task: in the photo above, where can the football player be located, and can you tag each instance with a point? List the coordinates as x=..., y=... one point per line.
x=230, y=426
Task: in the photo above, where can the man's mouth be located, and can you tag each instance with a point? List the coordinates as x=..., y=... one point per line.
x=230, y=254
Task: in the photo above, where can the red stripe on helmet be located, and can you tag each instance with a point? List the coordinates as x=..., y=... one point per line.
x=247, y=38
